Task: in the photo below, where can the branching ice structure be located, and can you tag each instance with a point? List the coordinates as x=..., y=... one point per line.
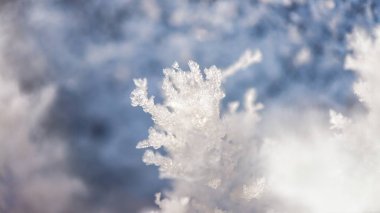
x=207, y=152
x=219, y=162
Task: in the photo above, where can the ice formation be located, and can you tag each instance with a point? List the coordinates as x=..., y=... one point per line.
x=207, y=152
x=219, y=162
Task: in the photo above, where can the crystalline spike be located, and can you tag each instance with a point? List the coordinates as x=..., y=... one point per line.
x=175, y=65
x=143, y=144
x=194, y=67
x=247, y=59
x=141, y=83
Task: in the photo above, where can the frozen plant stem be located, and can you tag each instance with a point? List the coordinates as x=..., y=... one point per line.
x=208, y=154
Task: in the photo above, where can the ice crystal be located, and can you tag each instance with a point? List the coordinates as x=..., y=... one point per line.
x=208, y=154
x=218, y=161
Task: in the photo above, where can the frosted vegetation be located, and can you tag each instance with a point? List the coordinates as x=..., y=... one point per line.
x=68, y=131
x=206, y=152
x=220, y=162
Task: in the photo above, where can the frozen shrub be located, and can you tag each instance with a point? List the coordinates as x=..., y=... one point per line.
x=219, y=162
x=209, y=154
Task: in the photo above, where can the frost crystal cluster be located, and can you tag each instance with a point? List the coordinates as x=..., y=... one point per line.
x=304, y=161
x=204, y=151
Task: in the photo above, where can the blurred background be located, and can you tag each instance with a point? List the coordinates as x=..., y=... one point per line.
x=68, y=132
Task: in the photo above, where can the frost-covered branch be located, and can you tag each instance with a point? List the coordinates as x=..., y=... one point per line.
x=209, y=156
x=247, y=59
x=302, y=162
